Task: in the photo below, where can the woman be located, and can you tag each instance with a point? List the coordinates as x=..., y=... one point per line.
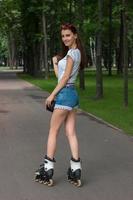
x=66, y=68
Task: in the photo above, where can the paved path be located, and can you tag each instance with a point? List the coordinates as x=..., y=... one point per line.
x=107, y=154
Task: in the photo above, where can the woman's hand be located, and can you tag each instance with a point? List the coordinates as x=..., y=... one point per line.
x=55, y=61
x=55, y=64
x=49, y=100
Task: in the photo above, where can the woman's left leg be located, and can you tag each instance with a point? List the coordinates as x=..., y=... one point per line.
x=74, y=171
x=70, y=129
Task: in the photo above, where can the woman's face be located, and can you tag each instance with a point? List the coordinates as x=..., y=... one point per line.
x=68, y=38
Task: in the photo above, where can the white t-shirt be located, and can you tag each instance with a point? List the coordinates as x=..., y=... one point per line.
x=76, y=56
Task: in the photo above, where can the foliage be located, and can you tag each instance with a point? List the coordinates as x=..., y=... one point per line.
x=3, y=45
x=25, y=16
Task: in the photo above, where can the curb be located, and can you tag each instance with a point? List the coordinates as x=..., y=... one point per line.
x=98, y=119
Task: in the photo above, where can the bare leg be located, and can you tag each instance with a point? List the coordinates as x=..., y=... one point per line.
x=71, y=133
x=57, y=120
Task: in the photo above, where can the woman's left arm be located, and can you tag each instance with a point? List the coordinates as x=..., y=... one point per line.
x=63, y=81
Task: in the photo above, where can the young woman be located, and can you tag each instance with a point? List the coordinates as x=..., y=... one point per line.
x=66, y=67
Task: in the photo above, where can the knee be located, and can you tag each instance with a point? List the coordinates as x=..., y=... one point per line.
x=70, y=132
x=53, y=131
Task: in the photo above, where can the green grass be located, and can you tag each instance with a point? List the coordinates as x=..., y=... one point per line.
x=110, y=108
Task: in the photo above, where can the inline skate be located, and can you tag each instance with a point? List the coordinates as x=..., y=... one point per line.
x=74, y=172
x=45, y=173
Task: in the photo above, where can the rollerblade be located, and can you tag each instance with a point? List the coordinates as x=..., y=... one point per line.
x=74, y=172
x=45, y=173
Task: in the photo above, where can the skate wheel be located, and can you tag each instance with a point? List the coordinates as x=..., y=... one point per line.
x=78, y=183
x=40, y=181
x=72, y=182
x=45, y=182
x=36, y=180
x=50, y=183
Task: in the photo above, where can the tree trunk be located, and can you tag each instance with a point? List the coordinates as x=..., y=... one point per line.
x=105, y=57
x=131, y=62
x=117, y=52
x=99, y=81
x=110, y=39
x=93, y=53
x=70, y=11
x=41, y=60
x=81, y=17
x=45, y=46
x=9, y=53
x=36, y=55
x=12, y=50
x=120, y=57
x=125, y=52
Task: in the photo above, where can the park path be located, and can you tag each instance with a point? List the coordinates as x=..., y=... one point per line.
x=107, y=153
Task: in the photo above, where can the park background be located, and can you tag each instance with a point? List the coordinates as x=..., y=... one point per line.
x=29, y=38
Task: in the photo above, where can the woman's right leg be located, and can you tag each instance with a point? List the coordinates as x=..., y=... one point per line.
x=45, y=173
x=58, y=117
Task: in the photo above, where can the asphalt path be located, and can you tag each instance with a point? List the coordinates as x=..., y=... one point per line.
x=106, y=153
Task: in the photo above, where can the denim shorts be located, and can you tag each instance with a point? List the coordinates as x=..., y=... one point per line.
x=67, y=98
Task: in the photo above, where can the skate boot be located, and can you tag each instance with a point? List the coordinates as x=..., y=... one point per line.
x=74, y=172
x=45, y=173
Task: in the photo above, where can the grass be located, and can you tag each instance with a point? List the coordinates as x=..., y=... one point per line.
x=110, y=108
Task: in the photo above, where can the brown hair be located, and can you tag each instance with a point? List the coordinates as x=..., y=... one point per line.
x=65, y=49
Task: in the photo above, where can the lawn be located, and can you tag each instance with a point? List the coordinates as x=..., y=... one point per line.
x=110, y=108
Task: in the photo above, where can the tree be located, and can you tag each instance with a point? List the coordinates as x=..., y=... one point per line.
x=10, y=26
x=110, y=38
x=125, y=51
x=32, y=35
x=120, y=57
x=81, y=19
x=44, y=26
x=99, y=81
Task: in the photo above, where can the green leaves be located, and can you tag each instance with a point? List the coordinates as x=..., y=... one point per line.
x=24, y=17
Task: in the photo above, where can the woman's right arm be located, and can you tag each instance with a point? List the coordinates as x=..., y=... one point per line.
x=55, y=64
